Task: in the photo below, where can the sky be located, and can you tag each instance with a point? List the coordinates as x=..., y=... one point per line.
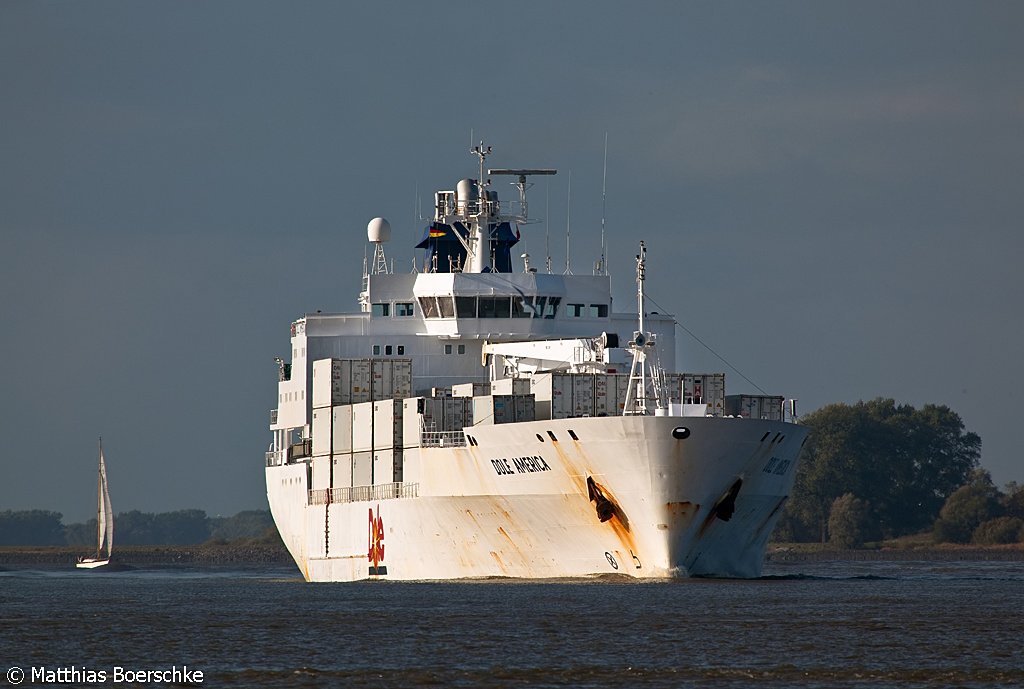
x=831, y=194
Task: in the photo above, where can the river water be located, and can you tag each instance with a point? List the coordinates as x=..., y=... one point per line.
x=820, y=624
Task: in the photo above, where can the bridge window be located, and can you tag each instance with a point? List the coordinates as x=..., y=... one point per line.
x=462, y=349
x=522, y=307
x=387, y=350
x=404, y=308
x=599, y=311
x=446, y=307
x=552, y=307
x=465, y=307
x=575, y=310
x=428, y=305
x=376, y=350
x=495, y=307
x=401, y=350
x=381, y=310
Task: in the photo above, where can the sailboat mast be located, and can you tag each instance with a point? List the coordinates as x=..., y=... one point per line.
x=100, y=526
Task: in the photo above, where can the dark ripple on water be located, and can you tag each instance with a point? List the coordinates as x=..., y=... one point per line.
x=812, y=624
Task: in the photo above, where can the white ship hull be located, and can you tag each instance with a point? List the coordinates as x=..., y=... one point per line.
x=516, y=503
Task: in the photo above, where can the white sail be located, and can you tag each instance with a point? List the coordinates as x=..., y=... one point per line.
x=106, y=512
x=104, y=521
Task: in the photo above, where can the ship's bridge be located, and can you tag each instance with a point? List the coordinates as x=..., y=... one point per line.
x=494, y=306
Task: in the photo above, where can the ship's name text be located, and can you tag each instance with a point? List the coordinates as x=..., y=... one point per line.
x=521, y=465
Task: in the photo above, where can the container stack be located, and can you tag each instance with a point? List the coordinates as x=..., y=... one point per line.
x=495, y=409
x=766, y=407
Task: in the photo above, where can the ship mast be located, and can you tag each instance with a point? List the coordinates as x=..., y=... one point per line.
x=479, y=219
x=639, y=376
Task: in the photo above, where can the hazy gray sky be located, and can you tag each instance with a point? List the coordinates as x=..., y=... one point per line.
x=831, y=192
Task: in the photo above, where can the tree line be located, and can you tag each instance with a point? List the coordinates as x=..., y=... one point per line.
x=182, y=527
x=877, y=470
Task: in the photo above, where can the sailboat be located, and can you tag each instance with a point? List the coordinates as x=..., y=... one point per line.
x=104, y=522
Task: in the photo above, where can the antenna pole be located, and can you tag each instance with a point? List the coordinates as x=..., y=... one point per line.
x=568, y=208
x=547, y=233
x=602, y=266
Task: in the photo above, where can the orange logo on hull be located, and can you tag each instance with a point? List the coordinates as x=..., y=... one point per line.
x=375, y=554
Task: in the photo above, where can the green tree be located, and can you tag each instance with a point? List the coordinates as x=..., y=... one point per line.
x=246, y=524
x=183, y=527
x=904, y=461
x=31, y=527
x=848, y=522
x=966, y=509
x=1013, y=500
x=999, y=531
x=81, y=533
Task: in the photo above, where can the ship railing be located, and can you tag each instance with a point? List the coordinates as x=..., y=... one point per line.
x=275, y=458
x=442, y=439
x=384, y=491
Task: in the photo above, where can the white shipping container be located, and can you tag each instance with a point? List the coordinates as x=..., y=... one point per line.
x=583, y=401
x=602, y=402
x=382, y=379
x=362, y=469
x=553, y=395
x=402, y=379
x=342, y=476
x=362, y=380
x=387, y=466
x=326, y=382
x=342, y=429
x=362, y=427
x=705, y=388
x=321, y=472
x=471, y=389
x=483, y=410
x=510, y=386
x=387, y=424
x=322, y=431
x=411, y=420
x=383, y=467
x=492, y=409
x=768, y=407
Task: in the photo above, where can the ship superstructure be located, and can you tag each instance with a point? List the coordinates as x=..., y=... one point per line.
x=477, y=417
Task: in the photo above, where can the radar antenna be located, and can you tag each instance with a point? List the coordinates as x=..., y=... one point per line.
x=521, y=184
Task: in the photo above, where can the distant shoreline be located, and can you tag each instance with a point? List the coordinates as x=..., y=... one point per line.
x=813, y=552
x=149, y=556
x=262, y=554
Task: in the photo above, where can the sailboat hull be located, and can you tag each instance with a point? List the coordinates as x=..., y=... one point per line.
x=92, y=563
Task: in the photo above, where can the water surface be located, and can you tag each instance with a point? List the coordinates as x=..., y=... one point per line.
x=823, y=624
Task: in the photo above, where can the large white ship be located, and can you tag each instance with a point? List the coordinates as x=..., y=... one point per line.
x=478, y=417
